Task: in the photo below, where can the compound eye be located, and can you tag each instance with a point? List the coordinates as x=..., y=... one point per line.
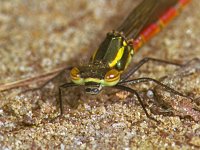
x=75, y=74
x=112, y=77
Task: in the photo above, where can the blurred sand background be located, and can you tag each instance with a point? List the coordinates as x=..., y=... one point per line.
x=40, y=36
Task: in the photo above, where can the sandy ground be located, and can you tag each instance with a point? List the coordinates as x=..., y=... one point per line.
x=40, y=36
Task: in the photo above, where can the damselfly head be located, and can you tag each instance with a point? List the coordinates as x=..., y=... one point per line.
x=94, y=76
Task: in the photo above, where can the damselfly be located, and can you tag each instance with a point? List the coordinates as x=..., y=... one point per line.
x=107, y=65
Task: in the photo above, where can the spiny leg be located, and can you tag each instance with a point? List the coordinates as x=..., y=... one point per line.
x=121, y=87
x=63, y=86
x=144, y=61
x=140, y=80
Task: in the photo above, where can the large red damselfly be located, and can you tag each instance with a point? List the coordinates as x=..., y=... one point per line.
x=107, y=65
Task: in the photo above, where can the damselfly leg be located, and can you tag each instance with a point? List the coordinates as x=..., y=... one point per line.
x=140, y=80
x=146, y=79
x=64, y=86
x=144, y=61
x=125, y=88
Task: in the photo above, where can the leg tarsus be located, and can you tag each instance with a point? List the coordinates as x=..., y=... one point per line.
x=63, y=86
x=139, y=99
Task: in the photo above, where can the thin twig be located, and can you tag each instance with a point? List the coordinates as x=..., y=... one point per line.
x=25, y=82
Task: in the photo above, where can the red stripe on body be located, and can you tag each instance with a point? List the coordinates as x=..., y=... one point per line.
x=150, y=31
x=168, y=16
x=145, y=36
x=154, y=28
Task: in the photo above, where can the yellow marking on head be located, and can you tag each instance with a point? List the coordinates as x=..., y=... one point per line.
x=103, y=82
x=96, y=80
x=111, y=78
